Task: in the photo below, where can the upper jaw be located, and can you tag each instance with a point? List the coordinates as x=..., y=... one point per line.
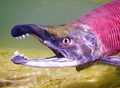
x=32, y=29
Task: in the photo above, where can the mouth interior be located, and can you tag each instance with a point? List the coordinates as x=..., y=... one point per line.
x=57, y=53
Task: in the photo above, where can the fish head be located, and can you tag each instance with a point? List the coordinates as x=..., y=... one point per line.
x=73, y=43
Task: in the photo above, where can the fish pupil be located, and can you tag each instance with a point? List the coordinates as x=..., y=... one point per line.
x=66, y=41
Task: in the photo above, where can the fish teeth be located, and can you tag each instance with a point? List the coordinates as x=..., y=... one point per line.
x=27, y=34
x=23, y=36
x=22, y=55
x=20, y=37
x=45, y=42
x=18, y=58
x=16, y=53
x=25, y=56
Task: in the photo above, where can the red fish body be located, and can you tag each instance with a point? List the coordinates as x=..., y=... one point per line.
x=105, y=23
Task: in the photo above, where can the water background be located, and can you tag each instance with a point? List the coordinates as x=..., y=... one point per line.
x=45, y=12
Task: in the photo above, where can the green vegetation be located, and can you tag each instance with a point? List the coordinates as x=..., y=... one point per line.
x=100, y=75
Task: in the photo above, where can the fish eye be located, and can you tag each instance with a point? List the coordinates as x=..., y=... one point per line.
x=66, y=41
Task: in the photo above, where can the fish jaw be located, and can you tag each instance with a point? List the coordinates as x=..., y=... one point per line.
x=52, y=62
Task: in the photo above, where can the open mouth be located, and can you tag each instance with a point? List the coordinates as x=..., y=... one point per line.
x=57, y=52
x=59, y=60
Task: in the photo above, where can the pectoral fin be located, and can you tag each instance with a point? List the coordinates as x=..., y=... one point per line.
x=115, y=60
